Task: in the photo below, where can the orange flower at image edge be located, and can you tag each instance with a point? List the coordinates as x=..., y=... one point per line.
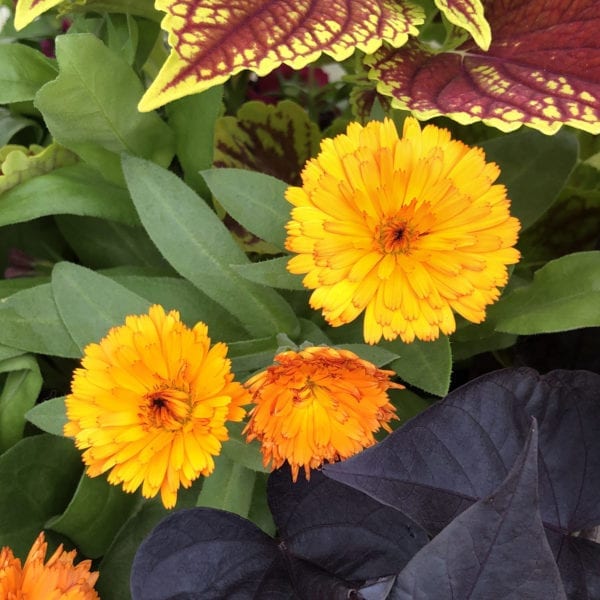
x=317, y=404
x=405, y=230
x=150, y=404
x=57, y=578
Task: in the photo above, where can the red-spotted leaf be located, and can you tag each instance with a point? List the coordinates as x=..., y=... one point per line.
x=542, y=70
x=276, y=140
x=28, y=10
x=212, y=40
x=468, y=14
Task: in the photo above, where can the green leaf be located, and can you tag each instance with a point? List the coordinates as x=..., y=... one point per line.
x=94, y=516
x=192, y=304
x=200, y=248
x=49, y=416
x=238, y=450
x=38, y=476
x=29, y=320
x=534, y=167
x=254, y=200
x=101, y=243
x=375, y=354
x=11, y=124
x=80, y=292
x=260, y=512
x=7, y=352
x=564, y=295
x=23, y=71
x=426, y=365
x=193, y=119
x=249, y=355
x=76, y=189
x=20, y=392
x=91, y=107
x=408, y=404
x=272, y=273
x=229, y=487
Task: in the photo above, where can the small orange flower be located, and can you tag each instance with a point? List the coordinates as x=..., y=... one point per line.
x=57, y=579
x=405, y=230
x=151, y=403
x=318, y=404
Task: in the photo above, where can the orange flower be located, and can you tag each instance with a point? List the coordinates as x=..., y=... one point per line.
x=405, y=230
x=151, y=402
x=58, y=579
x=317, y=404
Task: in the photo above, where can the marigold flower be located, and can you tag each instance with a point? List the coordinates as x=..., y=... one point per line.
x=406, y=230
x=58, y=578
x=317, y=404
x=151, y=402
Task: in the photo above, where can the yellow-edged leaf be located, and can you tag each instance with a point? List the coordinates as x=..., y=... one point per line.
x=212, y=40
x=28, y=10
x=468, y=14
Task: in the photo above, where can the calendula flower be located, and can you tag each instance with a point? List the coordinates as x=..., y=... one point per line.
x=317, y=404
x=35, y=580
x=406, y=230
x=150, y=404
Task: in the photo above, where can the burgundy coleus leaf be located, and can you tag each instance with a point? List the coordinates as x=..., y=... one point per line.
x=214, y=39
x=27, y=10
x=469, y=15
x=542, y=70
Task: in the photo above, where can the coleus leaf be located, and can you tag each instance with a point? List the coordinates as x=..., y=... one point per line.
x=339, y=528
x=212, y=40
x=203, y=554
x=495, y=549
x=276, y=140
x=27, y=10
x=468, y=14
x=541, y=70
x=458, y=451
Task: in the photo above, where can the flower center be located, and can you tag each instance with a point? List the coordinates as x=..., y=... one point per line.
x=398, y=233
x=167, y=408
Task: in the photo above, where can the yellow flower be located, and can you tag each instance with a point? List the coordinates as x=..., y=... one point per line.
x=151, y=402
x=318, y=404
x=58, y=578
x=406, y=230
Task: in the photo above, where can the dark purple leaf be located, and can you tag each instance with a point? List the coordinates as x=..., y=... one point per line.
x=458, y=451
x=206, y=554
x=497, y=548
x=444, y=459
x=341, y=529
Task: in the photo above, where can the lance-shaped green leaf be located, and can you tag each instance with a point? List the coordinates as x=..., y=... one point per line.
x=20, y=391
x=540, y=70
x=212, y=40
x=28, y=10
x=49, y=416
x=468, y=14
x=23, y=71
x=197, y=244
x=91, y=106
x=564, y=294
x=276, y=140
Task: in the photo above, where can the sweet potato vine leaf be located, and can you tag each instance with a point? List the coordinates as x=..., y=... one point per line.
x=542, y=70
x=27, y=10
x=495, y=549
x=468, y=14
x=212, y=40
x=460, y=450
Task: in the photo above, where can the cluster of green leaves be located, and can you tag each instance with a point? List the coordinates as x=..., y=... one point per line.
x=118, y=209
